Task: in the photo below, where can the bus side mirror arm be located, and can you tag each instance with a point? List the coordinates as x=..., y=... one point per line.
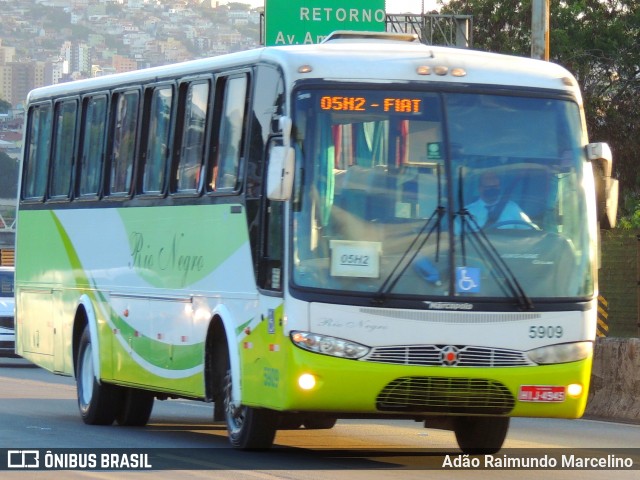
x=281, y=160
x=599, y=154
x=285, y=127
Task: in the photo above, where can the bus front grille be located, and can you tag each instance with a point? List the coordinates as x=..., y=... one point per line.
x=435, y=355
x=445, y=395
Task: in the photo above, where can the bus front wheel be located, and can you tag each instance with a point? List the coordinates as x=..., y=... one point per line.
x=481, y=435
x=248, y=428
x=98, y=402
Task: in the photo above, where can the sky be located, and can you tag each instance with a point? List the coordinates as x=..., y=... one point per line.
x=392, y=6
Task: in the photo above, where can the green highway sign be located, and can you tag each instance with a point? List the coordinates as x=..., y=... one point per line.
x=297, y=22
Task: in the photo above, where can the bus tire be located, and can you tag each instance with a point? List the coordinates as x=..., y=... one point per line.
x=98, y=402
x=135, y=407
x=481, y=435
x=248, y=428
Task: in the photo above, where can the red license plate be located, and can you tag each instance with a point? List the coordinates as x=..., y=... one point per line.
x=541, y=393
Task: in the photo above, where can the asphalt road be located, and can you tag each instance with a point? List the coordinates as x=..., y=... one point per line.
x=38, y=410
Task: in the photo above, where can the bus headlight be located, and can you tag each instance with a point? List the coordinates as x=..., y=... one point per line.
x=563, y=353
x=336, y=347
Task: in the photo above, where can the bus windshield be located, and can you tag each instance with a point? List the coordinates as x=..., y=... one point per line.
x=439, y=194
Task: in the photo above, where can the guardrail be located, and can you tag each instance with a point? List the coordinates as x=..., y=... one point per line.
x=7, y=223
x=434, y=29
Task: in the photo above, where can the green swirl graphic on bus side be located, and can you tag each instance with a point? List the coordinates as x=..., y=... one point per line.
x=184, y=357
x=184, y=246
x=164, y=254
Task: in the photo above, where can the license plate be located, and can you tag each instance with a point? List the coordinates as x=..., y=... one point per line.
x=541, y=393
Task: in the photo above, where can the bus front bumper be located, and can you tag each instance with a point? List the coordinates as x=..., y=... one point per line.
x=310, y=382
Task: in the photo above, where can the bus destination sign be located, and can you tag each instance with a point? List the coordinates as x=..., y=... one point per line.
x=339, y=103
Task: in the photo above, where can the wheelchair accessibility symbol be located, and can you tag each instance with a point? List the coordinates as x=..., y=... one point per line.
x=467, y=280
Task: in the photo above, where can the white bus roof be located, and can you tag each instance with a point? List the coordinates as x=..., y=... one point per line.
x=389, y=59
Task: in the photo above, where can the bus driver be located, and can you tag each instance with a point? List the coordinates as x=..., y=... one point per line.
x=493, y=209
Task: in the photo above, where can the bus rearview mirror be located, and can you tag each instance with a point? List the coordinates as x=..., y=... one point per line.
x=280, y=173
x=599, y=154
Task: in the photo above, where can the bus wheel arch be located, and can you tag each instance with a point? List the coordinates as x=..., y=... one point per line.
x=248, y=428
x=216, y=363
x=85, y=318
x=79, y=324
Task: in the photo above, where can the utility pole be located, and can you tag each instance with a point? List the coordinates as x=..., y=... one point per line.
x=540, y=29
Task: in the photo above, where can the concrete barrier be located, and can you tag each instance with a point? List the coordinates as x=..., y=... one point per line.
x=615, y=380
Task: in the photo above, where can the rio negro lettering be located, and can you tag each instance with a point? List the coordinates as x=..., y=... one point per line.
x=164, y=257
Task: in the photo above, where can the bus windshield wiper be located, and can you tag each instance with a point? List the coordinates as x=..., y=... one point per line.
x=411, y=252
x=392, y=279
x=499, y=269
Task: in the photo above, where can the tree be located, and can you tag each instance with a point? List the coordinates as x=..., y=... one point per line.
x=4, y=106
x=498, y=26
x=598, y=41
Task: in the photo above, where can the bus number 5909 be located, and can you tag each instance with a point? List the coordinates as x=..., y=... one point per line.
x=541, y=331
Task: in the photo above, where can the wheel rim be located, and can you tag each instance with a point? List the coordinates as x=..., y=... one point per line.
x=85, y=378
x=235, y=415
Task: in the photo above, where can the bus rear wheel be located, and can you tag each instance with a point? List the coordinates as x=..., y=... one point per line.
x=481, y=435
x=248, y=428
x=135, y=407
x=98, y=402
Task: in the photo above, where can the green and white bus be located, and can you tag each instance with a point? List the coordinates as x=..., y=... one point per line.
x=290, y=234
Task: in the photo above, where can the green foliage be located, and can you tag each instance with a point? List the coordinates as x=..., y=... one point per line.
x=629, y=210
x=598, y=41
x=498, y=26
x=4, y=106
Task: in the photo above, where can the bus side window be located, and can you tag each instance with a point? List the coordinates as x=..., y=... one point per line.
x=158, y=140
x=273, y=246
x=37, y=159
x=266, y=108
x=92, y=150
x=64, y=148
x=124, y=128
x=192, y=148
x=230, y=135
